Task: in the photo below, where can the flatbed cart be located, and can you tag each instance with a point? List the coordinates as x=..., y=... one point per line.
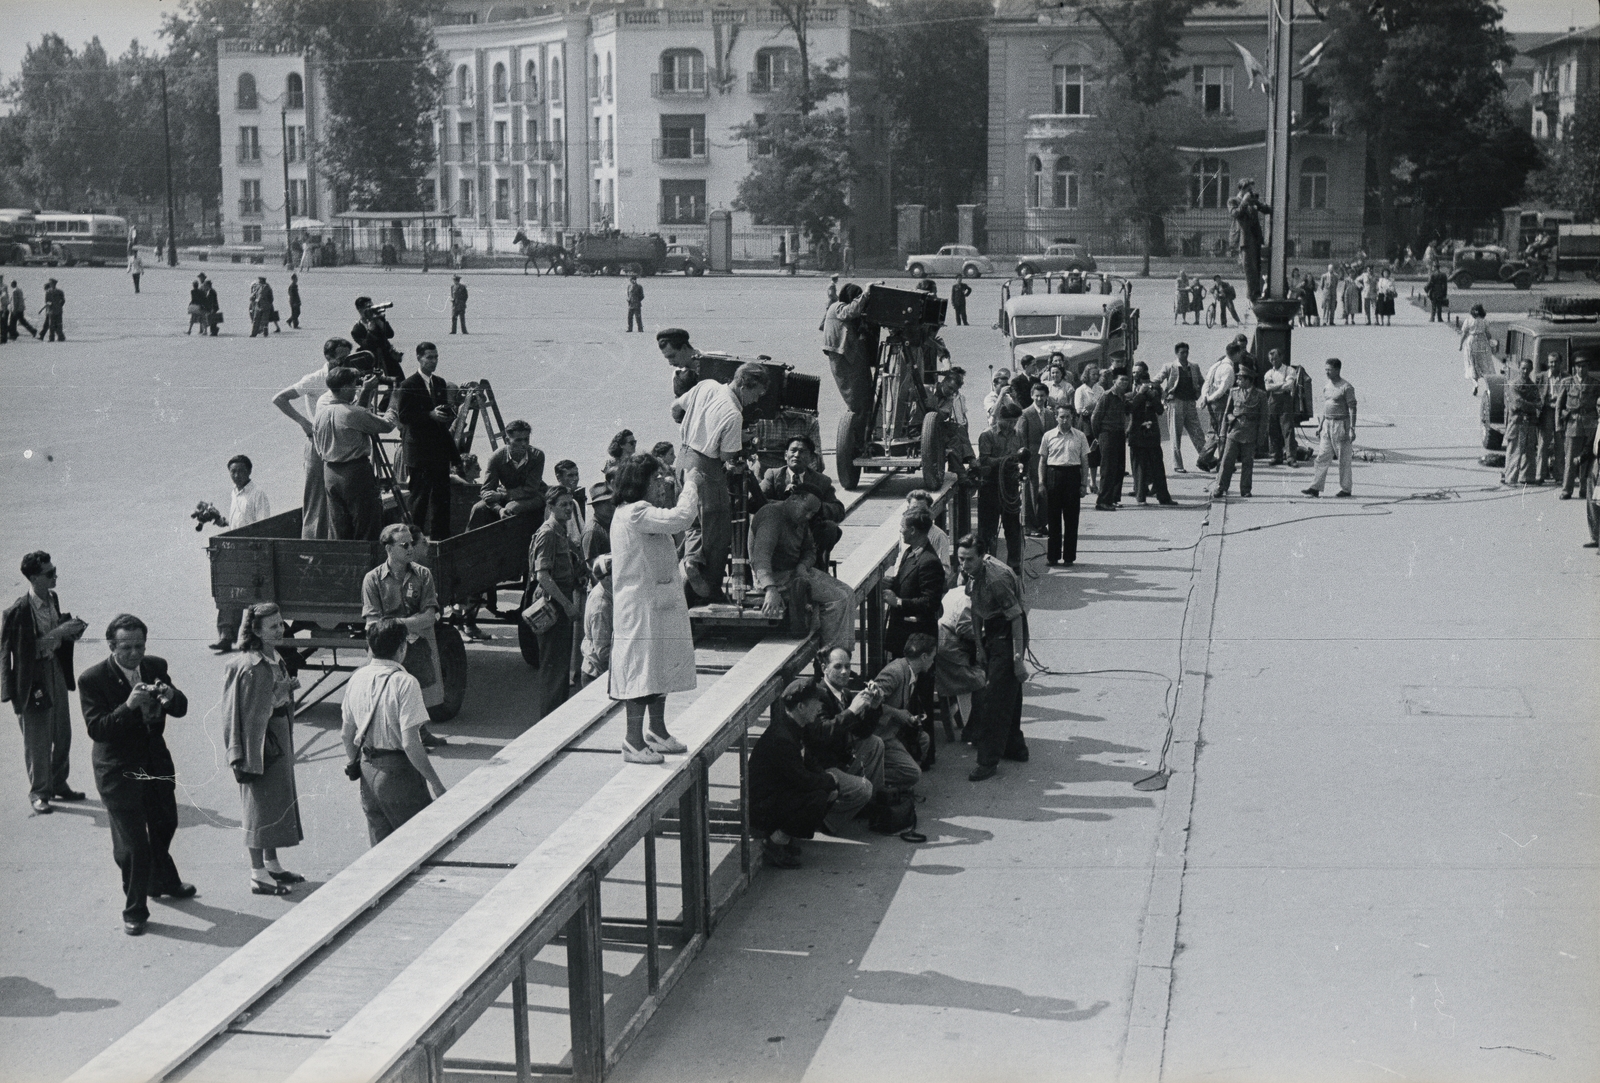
x=316, y=583
x=903, y=434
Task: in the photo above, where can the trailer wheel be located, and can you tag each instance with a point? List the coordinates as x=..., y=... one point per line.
x=1492, y=439
x=932, y=453
x=452, y=672
x=849, y=472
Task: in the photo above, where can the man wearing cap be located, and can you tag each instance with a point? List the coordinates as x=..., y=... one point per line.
x=711, y=420
x=54, y=302
x=1242, y=423
x=373, y=334
x=635, y=297
x=596, y=541
x=342, y=434
x=958, y=297
x=673, y=343
x=783, y=555
x=458, y=304
x=314, y=522
x=422, y=402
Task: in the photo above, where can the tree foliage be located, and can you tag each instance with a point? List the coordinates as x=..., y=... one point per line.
x=1570, y=179
x=1419, y=78
x=935, y=81
x=805, y=179
x=1146, y=36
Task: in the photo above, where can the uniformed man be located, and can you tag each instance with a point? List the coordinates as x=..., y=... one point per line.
x=1522, y=423
x=711, y=420
x=458, y=305
x=1576, y=413
x=958, y=297
x=635, y=303
x=403, y=590
x=1242, y=422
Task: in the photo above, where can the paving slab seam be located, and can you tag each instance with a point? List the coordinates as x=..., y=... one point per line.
x=1145, y=1042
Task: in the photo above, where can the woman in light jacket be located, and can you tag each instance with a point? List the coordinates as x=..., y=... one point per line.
x=257, y=717
x=1477, y=348
x=652, y=647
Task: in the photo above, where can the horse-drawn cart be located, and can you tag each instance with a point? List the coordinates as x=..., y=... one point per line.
x=317, y=585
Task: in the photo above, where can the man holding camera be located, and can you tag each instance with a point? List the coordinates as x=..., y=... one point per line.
x=248, y=505
x=423, y=406
x=36, y=641
x=126, y=701
x=373, y=334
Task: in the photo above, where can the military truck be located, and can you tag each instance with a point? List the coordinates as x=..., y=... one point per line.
x=613, y=253
x=1565, y=333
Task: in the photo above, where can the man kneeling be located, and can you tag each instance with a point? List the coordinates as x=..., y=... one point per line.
x=783, y=554
x=790, y=797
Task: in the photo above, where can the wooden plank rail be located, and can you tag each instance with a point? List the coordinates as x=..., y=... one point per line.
x=402, y=1030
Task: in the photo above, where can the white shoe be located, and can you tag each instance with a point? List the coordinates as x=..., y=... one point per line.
x=640, y=755
x=668, y=744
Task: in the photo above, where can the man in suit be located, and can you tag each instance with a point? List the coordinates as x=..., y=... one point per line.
x=126, y=701
x=914, y=589
x=1038, y=419
x=55, y=302
x=423, y=404
x=373, y=334
x=799, y=466
x=36, y=641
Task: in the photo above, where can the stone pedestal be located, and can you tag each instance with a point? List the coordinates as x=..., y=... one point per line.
x=1274, y=321
x=966, y=223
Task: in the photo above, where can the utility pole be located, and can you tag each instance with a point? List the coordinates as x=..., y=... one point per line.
x=1275, y=311
x=288, y=227
x=166, y=138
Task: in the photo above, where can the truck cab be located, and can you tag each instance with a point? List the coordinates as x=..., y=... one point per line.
x=1555, y=344
x=1086, y=328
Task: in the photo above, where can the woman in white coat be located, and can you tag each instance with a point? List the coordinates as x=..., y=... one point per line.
x=652, y=647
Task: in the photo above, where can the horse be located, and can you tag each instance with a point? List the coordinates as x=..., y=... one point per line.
x=533, y=251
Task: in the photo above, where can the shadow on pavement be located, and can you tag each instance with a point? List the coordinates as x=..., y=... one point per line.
x=228, y=928
x=933, y=989
x=22, y=998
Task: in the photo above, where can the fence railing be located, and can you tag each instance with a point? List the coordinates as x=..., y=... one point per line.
x=663, y=85
x=249, y=152
x=1180, y=234
x=686, y=149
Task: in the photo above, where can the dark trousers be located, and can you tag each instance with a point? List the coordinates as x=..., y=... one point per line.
x=392, y=791
x=553, y=683
x=997, y=707
x=1436, y=312
x=430, y=494
x=52, y=327
x=1252, y=274
x=961, y=314
x=47, y=735
x=140, y=836
x=635, y=316
x=1545, y=451
x=1576, y=451
x=1032, y=495
x=1149, y=473
x=258, y=324
x=18, y=318
x=458, y=317
x=135, y=283
x=294, y=314
x=995, y=514
x=1240, y=446
x=1113, y=445
x=355, y=508
x=1280, y=430
x=854, y=380
x=1063, y=493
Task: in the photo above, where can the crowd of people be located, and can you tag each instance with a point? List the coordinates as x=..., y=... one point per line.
x=14, y=312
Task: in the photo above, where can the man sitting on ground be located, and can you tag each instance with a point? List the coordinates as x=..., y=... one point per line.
x=783, y=553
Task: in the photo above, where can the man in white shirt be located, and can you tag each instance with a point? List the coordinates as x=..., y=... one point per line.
x=1064, y=476
x=1218, y=386
x=1181, y=384
x=711, y=427
x=248, y=505
x=383, y=716
x=314, y=521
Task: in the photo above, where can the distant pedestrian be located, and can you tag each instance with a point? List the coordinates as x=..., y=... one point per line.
x=1223, y=294
x=1329, y=286
x=294, y=301
x=635, y=297
x=19, y=311
x=213, y=306
x=261, y=312
x=135, y=268
x=6, y=334
x=197, y=309
x=1336, y=432
x=305, y=256
x=958, y=297
x=36, y=640
x=55, y=303
x=1438, y=292
x=458, y=305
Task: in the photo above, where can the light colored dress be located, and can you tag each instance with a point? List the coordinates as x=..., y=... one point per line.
x=1477, y=352
x=652, y=646
x=257, y=709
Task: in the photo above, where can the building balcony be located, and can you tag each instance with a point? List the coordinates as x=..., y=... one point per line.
x=681, y=212
x=758, y=82
x=602, y=212
x=1045, y=126
x=525, y=93
x=457, y=98
x=552, y=152
x=250, y=208
x=594, y=153
x=464, y=153
x=249, y=154
x=663, y=85
x=682, y=149
x=494, y=152
x=246, y=103
x=536, y=153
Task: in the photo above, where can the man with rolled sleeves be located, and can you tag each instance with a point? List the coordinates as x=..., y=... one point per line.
x=711, y=421
x=126, y=701
x=1576, y=413
x=1000, y=623
x=1109, y=426
x=314, y=522
x=403, y=590
x=342, y=434
x=1336, y=432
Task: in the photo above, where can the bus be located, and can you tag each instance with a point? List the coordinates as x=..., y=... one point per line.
x=95, y=239
x=16, y=235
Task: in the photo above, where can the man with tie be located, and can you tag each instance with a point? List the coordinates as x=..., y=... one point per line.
x=423, y=403
x=126, y=701
x=799, y=461
x=1038, y=419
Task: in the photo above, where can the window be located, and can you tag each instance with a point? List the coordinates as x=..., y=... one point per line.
x=1035, y=175
x=558, y=198
x=555, y=79
x=555, y=130
x=249, y=144
x=532, y=208
x=774, y=67
x=1065, y=189
x=502, y=199
x=464, y=204
x=464, y=140
x=299, y=207
x=682, y=136
x=250, y=198
x=683, y=202
x=295, y=88
x=1314, y=184
x=611, y=138
x=251, y=235
x=532, y=128
x=463, y=85
x=530, y=78
x=682, y=71
x=430, y=195
x=499, y=84
x=762, y=146
x=1208, y=184
x=1213, y=88
x=608, y=77
x=295, y=149
x=500, y=139
x=246, y=98
x=1071, y=98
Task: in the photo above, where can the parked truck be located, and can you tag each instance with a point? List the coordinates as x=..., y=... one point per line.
x=614, y=253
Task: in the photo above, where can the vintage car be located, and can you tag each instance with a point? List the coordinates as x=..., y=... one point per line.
x=1058, y=257
x=952, y=259
x=1085, y=328
x=1489, y=263
x=691, y=259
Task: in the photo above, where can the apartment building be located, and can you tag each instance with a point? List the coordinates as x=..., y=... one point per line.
x=1564, y=68
x=268, y=105
x=1046, y=76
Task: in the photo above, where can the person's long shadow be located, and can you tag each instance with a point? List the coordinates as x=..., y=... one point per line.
x=189, y=815
x=935, y=990
x=22, y=998
x=228, y=928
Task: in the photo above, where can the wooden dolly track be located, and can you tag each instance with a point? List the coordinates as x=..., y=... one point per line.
x=381, y=971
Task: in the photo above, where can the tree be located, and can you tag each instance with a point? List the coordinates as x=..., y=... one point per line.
x=797, y=14
x=1571, y=176
x=64, y=105
x=805, y=179
x=191, y=36
x=935, y=80
x=1419, y=78
x=1147, y=36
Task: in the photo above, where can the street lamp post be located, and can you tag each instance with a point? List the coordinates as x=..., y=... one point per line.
x=288, y=227
x=166, y=139
x=1276, y=310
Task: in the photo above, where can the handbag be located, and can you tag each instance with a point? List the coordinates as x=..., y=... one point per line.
x=541, y=616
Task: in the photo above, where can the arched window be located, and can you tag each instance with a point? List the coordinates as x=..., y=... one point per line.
x=1314, y=184
x=463, y=85
x=295, y=88
x=774, y=66
x=499, y=84
x=247, y=92
x=683, y=71
x=1208, y=184
x=530, y=79
x=1065, y=189
x=555, y=79
x=1035, y=176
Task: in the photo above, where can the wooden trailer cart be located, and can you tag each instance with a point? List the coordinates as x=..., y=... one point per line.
x=317, y=585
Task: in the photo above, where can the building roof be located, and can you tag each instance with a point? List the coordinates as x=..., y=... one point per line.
x=1560, y=41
